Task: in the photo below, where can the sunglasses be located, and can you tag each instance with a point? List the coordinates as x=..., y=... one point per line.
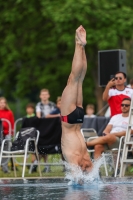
x=126, y=105
x=118, y=77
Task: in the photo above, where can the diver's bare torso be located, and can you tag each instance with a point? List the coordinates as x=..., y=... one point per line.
x=74, y=154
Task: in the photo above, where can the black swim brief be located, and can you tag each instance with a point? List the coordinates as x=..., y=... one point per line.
x=75, y=117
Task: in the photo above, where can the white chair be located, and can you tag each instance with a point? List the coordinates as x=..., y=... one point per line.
x=90, y=134
x=32, y=164
x=104, y=155
x=15, y=125
x=20, y=153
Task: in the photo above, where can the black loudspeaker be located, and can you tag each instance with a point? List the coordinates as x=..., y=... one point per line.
x=110, y=62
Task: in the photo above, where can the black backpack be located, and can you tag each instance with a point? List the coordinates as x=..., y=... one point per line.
x=20, y=141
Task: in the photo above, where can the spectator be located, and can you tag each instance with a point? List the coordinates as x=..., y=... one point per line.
x=131, y=83
x=44, y=108
x=56, y=111
x=90, y=111
x=30, y=110
x=6, y=113
x=115, y=129
x=115, y=91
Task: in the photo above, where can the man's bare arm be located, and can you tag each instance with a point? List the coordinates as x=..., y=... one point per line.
x=52, y=116
x=38, y=114
x=106, y=91
x=105, y=94
x=108, y=129
x=122, y=133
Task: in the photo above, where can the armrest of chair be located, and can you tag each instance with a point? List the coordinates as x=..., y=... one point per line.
x=37, y=138
x=6, y=140
x=122, y=137
x=91, y=138
x=30, y=139
x=27, y=143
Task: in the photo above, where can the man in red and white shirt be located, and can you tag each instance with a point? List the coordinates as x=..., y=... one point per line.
x=116, y=91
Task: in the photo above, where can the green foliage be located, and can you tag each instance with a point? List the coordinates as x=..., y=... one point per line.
x=19, y=107
x=37, y=42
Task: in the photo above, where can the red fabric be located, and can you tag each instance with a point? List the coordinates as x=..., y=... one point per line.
x=115, y=103
x=64, y=119
x=7, y=114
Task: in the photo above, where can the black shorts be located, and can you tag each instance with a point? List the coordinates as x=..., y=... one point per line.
x=75, y=117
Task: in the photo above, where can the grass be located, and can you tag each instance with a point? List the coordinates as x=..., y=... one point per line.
x=56, y=171
x=128, y=172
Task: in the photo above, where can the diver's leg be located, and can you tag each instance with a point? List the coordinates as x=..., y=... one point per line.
x=69, y=95
x=80, y=83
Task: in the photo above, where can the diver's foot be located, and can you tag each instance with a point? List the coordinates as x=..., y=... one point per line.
x=81, y=35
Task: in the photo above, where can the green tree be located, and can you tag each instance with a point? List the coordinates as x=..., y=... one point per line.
x=37, y=43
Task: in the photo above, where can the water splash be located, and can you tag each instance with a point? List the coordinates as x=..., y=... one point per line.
x=77, y=176
x=94, y=174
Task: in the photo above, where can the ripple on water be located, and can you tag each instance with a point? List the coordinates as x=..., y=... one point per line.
x=53, y=189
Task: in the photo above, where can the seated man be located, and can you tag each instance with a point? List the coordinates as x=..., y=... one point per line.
x=113, y=131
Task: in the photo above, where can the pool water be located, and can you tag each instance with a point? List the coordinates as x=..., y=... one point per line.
x=58, y=189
